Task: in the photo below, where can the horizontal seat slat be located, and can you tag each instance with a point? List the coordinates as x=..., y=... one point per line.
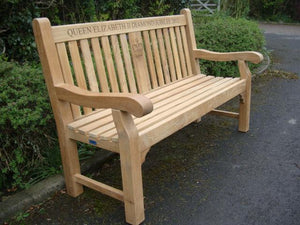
x=163, y=129
x=169, y=102
x=89, y=118
x=170, y=105
x=95, y=124
x=184, y=102
x=175, y=84
x=193, y=102
x=189, y=87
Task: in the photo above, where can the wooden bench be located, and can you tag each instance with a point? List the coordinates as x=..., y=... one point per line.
x=125, y=85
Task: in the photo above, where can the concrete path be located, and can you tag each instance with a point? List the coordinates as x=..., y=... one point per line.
x=191, y=179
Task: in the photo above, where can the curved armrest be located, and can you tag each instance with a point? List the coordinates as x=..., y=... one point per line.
x=251, y=56
x=136, y=104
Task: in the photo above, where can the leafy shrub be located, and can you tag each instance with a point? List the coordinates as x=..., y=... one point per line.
x=276, y=10
x=27, y=137
x=225, y=34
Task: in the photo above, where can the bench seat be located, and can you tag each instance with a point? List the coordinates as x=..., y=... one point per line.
x=125, y=85
x=174, y=106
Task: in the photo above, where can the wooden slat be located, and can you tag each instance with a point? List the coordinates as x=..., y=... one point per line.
x=89, y=118
x=98, y=29
x=95, y=125
x=109, y=134
x=150, y=59
x=172, y=104
x=128, y=63
x=178, y=120
x=170, y=54
x=139, y=61
x=178, y=102
x=175, y=88
x=175, y=84
x=110, y=64
x=89, y=66
x=98, y=186
x=156, y=52
x=119, y=63
x=163, y=55
x=175, y=53
x=167, y=104
x=100, y=65
x=78, y=70
x=181, y=52
x=186, y=51
x=201, y=97
x=96, y=133
x=109, y=130
x=185, y=88
x=67, y=74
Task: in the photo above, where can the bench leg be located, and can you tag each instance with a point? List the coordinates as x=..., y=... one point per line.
x=132, y=186
x=244, y=112
x=131, y=167
x=71, y=166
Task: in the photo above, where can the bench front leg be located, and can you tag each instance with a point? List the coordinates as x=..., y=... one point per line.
x=245, y=101
x=131, y=167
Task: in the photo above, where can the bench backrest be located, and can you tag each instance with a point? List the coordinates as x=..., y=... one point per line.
x=134, y=55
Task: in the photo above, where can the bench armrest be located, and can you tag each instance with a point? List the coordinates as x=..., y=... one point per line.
x=136, y=104
x=251, y=56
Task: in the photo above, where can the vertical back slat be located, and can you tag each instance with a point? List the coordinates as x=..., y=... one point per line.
x=109, y=64
x=181, y=52
x=175, y=53
x=160, y=75
x=163, y=55
x=100, y=65
x=139, y=61
x=170, y=54
x=89, y=65
x=128, y=63
x=67, y=74
x=119, y=63
x=150, y=59
x=186, y=51
x=78, y=70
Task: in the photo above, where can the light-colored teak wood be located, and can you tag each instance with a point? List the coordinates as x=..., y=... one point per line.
x=126, y=85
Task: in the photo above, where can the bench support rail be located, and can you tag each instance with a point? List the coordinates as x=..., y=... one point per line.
x=98, y=186
x=224, y=113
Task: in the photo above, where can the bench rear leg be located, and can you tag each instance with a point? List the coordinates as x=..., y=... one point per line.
x=245, y=101
x=131, y=167
x=71, y=165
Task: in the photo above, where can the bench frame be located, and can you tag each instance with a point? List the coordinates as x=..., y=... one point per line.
x=130, y=146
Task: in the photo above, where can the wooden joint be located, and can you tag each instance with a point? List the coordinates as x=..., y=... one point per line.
x=242, y=98
x=144, y=154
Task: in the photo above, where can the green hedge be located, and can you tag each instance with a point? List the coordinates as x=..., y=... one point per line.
x=225, y=34
x=27, y=139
